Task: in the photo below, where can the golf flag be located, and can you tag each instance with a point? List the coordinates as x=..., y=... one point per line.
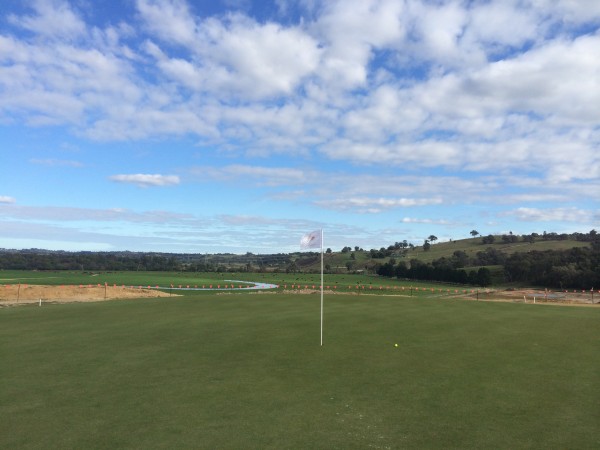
x=311, y=240
x=315, y=240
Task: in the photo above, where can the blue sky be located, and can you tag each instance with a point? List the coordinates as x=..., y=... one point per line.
x=238, y=125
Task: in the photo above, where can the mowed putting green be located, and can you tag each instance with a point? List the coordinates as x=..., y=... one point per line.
x=247, y=371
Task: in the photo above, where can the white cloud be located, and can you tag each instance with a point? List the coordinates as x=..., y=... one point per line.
x=556, y=215
x=7, y=199
x=350, y=31
x=171, y=20
x=502, y=24
x=264, y=176
x=558, y=79
x=232, y=57
x=100, y=85
x=56, y=162
x=147, y=180
x=438, y=28
x=572, y=12
x=375, y=205
x=259, y=60
x=246, y=220
x=425, y=221
x=53, y=18
x=58, y=215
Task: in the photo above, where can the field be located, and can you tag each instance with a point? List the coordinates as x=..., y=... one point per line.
x=242, y=370
x=18, y=287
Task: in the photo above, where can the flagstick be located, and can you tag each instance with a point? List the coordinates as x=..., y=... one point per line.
x=321, y=287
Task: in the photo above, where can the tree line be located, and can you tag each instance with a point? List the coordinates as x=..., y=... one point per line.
x=34, y=259
x=575, y=268
x=435, y=271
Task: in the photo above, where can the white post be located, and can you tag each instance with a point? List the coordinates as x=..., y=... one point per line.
x=40, y=302
x=321, y=287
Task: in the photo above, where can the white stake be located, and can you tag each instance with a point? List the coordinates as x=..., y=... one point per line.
x=321, y=287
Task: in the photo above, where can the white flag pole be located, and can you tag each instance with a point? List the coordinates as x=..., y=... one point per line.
x=321, y=287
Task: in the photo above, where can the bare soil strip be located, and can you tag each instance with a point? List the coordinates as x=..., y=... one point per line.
x=13, y=294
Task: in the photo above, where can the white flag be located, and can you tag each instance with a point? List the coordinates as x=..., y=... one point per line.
x=311, y=240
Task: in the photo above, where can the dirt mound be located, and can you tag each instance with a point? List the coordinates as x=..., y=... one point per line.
x=15, y=294
x=566, y=298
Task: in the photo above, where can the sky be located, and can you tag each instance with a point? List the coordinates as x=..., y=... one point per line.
x=237, y=126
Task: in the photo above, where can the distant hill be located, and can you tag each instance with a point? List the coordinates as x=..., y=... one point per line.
x=474, y=245
x=362, y=260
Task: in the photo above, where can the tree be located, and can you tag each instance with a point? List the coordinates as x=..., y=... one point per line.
x=401, y=270
x=474, y=233
x=484, y=276
x=432, y=238
x=426, y=246
x=459, y=259
x=489, y=239
x=386, y=270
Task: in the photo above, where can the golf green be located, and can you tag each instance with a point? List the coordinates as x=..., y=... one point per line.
x=247, y=371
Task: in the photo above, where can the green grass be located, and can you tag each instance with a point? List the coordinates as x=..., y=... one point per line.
x=247, y=371
x=134, y=278
x=165, y=279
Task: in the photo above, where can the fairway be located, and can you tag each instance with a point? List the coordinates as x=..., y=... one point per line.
x=246, y=371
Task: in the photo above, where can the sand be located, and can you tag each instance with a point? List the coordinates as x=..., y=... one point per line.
x=24, y=294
